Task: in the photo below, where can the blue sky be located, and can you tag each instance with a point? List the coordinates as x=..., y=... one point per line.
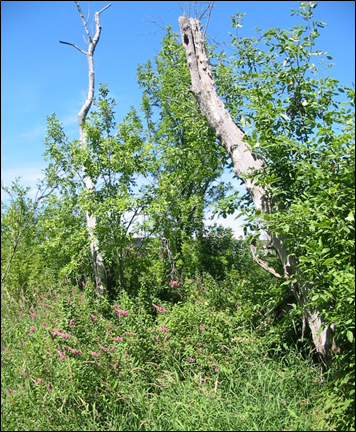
x=40, y=76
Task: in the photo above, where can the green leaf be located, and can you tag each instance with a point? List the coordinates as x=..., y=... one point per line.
x=350, y=336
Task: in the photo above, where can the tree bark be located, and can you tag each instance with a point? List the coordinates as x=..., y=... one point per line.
x=96, y=255
x=245, y=162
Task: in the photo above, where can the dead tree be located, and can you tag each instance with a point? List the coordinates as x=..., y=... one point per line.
x=96, y=255
x=245, y=162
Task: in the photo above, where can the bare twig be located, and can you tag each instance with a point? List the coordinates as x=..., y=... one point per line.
x=84, y=22
x=210, y=7
x=75, y=46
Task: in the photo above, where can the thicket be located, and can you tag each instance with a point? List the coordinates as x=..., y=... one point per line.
x=191, y=334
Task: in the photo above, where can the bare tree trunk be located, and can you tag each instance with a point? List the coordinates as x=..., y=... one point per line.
x=245, y=162
x=97, y=258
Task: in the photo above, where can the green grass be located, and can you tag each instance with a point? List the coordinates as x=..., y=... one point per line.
x=191, y=367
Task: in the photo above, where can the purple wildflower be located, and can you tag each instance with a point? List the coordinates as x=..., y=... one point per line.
x=103, y=348
x=164, y=329
x=159, y=308
x=93, y=319
x=62, y=357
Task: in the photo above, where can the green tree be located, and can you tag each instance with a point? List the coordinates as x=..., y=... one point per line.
x=187, y=160
x=114, y=158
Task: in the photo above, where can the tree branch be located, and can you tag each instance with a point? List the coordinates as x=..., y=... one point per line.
x=102, y=10
x=75, y=46
x=263, y=264
x=84, y=22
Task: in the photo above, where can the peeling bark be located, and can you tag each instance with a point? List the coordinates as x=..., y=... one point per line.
x=96, y=255
x=245, y=163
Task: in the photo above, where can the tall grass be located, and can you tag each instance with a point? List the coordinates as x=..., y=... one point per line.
x=72, y=361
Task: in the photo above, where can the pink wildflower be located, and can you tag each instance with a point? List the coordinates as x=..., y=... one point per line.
x=32, y=329
x=5, y=349
x=164, y=329
x=69, y=298
x=119, y=312
x=216, y=369
x=173, y=283
x=103, y=348
x=201, y=328
x=39, y=380
x=112, y=347
x=115, y=365
x=51, y=295
x=42, y=297
x=74, y=291
x=95, y=354
x=23, y=342
x=83, y=284
x=93, y=319
x=71, y=322
x=129, y=333
x=45, y=325
x=64, y=335
x=62, y=357
x=73, y=351
x=190, y=359
x=118, y=339
x=126, y=355
x=48, y=388
x=159, y=308
x=32, y=314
